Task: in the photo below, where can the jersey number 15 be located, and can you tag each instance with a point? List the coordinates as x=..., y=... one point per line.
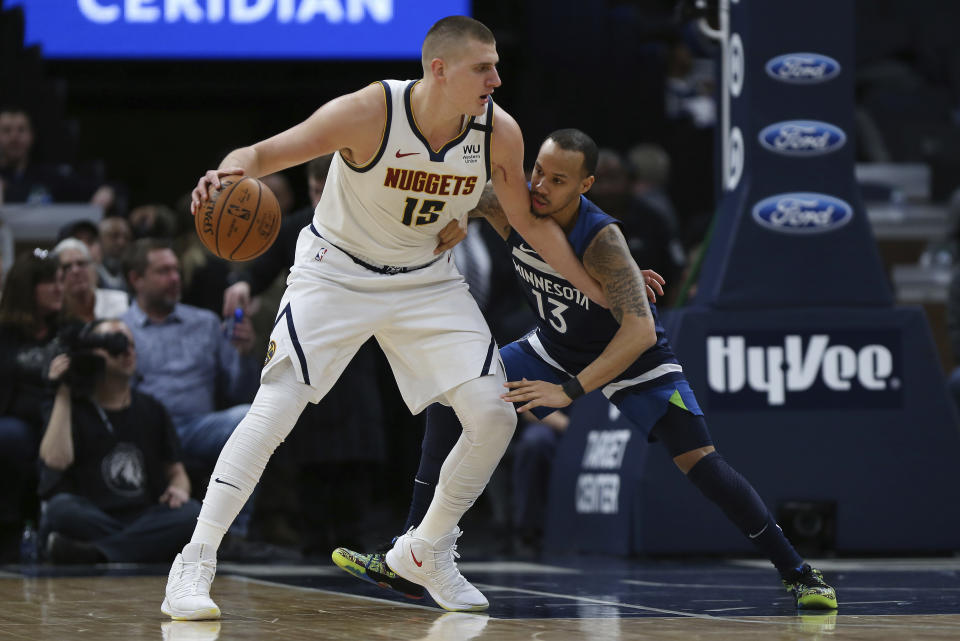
x=429, y=212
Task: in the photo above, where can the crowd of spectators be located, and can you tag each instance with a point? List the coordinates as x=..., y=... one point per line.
x=108, y=450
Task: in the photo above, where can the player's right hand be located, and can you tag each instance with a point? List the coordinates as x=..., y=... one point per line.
x=237, y=296
x=450, y=236
x=654, y=283
x=201, y=193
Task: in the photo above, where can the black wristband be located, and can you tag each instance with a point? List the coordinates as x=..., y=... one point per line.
x=573, y=388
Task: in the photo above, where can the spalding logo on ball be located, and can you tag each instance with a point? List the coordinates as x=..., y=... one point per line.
x=240, y=220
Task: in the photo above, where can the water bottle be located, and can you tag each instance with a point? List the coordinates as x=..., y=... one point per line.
x=230, y=323
x=29, y=545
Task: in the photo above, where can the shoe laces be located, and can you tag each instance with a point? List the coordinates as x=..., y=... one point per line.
x=809, y=578
x=201, y=575
x=445, y=571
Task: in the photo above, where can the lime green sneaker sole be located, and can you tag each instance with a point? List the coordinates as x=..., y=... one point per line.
x=817, y=602
x=373, y=569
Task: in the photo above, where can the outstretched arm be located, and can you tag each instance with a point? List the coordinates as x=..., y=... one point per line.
x=489, y=209
x=344, y=124
x=543, y=234
x=608, y=260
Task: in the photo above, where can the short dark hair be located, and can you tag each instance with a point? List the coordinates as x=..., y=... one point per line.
x=576, y=140
x=18, y=305
x=16, y=109
x=138, y=256
x=72, y=229
x=450, y=31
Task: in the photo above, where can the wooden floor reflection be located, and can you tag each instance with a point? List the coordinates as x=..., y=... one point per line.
x=128, y=607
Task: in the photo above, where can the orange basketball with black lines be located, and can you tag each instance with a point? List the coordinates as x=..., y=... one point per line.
x=240, y=220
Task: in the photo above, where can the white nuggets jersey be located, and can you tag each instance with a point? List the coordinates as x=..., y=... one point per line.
x=389, y=210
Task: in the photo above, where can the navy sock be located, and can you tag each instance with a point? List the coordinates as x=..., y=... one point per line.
x=733, y=494
x=440, y=435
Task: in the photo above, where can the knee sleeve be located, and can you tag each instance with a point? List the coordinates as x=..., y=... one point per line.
x=681, y=431
x=485, y=416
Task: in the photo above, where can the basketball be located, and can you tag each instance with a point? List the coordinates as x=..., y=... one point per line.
x=241, y=220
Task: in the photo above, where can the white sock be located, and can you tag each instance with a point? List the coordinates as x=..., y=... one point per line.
x=276, y=408
x=488, y=425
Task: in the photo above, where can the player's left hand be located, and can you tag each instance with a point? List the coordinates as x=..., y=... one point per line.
x=174, y=496
x=654, y=283
x=449, y=236
x=535, y=394
x=243, y=335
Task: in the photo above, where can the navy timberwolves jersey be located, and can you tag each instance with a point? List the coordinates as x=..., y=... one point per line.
x=572, y=329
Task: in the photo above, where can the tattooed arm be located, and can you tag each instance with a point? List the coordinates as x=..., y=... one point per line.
x=608, y=260
x=490, y=209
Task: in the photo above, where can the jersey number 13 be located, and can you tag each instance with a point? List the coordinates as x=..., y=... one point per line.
x=556, y=311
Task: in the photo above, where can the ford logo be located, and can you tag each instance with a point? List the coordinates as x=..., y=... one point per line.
x=802, y=68
x=802, y=138
x=802, y=213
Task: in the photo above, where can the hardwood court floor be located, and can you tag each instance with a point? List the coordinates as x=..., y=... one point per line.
x=880, y=600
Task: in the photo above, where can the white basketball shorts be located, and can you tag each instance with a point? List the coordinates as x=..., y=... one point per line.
x=426, y=322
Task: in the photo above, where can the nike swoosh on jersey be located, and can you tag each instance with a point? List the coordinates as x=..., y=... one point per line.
x=410, y=153
x=526, y=249
x=217, y=480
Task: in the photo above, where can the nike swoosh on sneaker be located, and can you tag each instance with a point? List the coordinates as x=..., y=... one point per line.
x=419, y=563
x=217, y=480
x=411, y=153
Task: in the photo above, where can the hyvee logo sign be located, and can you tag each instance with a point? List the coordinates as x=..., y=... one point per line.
x=840, y=369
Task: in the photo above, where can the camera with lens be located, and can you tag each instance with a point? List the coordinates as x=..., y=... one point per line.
x=86, y=366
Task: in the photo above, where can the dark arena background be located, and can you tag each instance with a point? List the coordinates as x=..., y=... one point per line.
x=791, y=168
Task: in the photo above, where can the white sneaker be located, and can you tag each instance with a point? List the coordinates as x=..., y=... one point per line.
x=432, y=565
x=188, y=586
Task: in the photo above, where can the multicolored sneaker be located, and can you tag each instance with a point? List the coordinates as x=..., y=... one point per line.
x=811, y=591
x=373, y=568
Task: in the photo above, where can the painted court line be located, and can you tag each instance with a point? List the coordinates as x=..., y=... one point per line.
x=731, y=586
x=856, y=565
x=591, y=600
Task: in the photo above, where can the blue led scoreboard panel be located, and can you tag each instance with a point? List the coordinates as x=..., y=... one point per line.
x=237, y=29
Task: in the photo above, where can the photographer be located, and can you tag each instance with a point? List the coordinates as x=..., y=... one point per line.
x=113, y=484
